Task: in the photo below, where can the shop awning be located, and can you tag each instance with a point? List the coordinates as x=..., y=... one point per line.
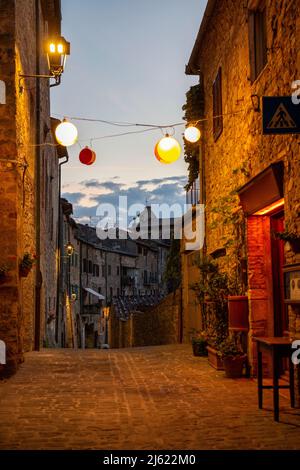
x=93, y=292
x=263, y=190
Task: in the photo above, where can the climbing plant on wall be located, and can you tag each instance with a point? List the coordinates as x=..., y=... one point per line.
x=229, y=214
x=194, y=110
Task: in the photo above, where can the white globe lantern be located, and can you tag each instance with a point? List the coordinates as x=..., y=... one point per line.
x=66, y=133
x=192, y=134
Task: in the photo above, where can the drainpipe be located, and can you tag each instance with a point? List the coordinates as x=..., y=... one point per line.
x=38, y=276
x=59, y=251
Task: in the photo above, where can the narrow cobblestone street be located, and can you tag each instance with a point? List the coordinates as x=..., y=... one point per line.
x=144, y=398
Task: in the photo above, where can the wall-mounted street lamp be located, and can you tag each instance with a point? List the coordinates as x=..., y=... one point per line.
x=56, y=49
x=69, y=249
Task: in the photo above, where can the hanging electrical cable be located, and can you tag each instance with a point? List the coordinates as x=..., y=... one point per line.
x=167, y=150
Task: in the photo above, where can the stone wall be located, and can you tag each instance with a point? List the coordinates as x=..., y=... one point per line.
x=192, y=319
x=154, y=326
x=20, y=327
x=241, y=145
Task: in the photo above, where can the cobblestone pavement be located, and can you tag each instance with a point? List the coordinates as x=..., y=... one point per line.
x=145, y=398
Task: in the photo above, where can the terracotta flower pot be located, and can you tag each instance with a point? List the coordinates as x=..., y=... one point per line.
x=234, y=366
x=214, y=359
x=238, y=313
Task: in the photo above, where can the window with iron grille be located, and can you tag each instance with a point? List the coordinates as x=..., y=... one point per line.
x=217, y=106
x=257, y=41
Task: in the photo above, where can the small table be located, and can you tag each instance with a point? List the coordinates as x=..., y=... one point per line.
x=279, y=347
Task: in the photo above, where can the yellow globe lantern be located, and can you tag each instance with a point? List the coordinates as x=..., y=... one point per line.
x=192, y=134
x=167, y=150
x=157, y=156
x=66, y=133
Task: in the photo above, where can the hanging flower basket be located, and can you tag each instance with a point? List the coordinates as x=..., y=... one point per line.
x=295, y=245
x=26, y=264
x=290, y=237
x=24, y=272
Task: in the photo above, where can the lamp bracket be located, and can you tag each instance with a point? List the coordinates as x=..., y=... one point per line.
x=23, y=76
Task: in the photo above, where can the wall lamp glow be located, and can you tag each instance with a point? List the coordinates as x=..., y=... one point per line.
x=70, y=249
x=56, y=50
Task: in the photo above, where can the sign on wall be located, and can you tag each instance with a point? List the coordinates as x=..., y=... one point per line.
x=2, y=92
x=280, y=115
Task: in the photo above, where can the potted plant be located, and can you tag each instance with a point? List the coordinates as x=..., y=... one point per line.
x=212, y=291
x=26, y=264
x=233, y=358
x=4, y=270
x=229, y=212
x=199, y=343
x=290, y=237
x=216, y=337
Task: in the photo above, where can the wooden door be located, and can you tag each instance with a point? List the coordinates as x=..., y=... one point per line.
x=280, y=311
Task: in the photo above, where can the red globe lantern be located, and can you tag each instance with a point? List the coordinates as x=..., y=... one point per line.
x=87, y=156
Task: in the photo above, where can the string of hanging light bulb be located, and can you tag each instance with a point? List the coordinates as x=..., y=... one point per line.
x=167, y=150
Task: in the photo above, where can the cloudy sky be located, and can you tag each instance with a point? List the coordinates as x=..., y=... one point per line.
x=127, y=64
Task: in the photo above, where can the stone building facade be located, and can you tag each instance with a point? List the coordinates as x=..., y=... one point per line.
x=97, y=272
x=243, y=52
x=29, y=176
